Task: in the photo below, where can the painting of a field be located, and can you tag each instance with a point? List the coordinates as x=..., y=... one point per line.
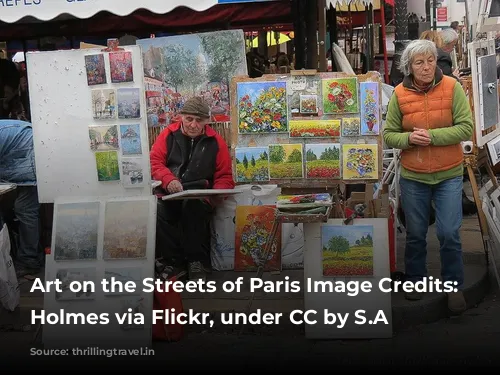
x=314, y=128
x=286, y=161
x=323, y=160
x=347, y=250
x=107, y=166
x=252, y=164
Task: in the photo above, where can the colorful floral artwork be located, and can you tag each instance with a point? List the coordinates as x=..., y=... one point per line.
x=351, y=127
x=370, y=108
x=286, y=161
x=252, y=164
x=323, y=160
x=360, y=162
x=262, y=107
x=347, y=250
x=314, y=128
x=253, y=226
x=96, y=69
x=340, y=95
x=308, y=104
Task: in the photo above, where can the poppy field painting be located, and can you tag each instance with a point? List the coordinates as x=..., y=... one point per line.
x=323, y=160
x=360, y=161
x=314, y=128
x=340, y=95
x=252, y=164
x=286, y=161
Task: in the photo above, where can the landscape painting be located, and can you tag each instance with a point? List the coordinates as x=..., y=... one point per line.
x=96, y=70
x=340, y=95
x=123, y=275
x=126, y=229
x=252, y=164
x=76, y=230
x=104, y=104
x=253, y=225
x=370, y=108
x=129, y=103
x=360, y=161
x=132, y=172
x=182, y=66
x=347, y=250
x=130, y=139
x=103, y=138
x=120, y=64
x=286, y=161
x=107, y=166
x=323, y=160
x=351, y=126
x=84, y=276
x=262, y=107
x=314, y=128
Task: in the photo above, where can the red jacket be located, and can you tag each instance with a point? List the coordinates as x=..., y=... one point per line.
x=221, y=172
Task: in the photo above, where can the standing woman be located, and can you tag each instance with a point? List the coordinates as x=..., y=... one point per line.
x=428, y=117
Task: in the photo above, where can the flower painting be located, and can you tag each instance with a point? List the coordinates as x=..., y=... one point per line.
x=351, y=127
x=323, y=160
x=308, y=104
x=370, y=108
x=253, y=226
x=314, y=128
x=262, y=107
x=252, y=164
x=340, y=95
x=360, y=162
x=286, y=161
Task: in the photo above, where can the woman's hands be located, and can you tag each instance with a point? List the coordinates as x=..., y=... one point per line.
x=420, y=137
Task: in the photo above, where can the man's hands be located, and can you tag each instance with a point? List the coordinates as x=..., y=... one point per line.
x=174, y=187
x=420, y=137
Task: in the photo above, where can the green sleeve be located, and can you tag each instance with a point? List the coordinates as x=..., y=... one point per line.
x=394, y=136
x=462, y=122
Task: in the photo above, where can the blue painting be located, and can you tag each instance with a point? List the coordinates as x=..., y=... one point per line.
x=129, y=103
x=252, y=164
x=131, y=139
x=370, y=108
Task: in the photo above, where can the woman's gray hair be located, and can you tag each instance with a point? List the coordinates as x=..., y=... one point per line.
x=448, y=36
x=414, y=48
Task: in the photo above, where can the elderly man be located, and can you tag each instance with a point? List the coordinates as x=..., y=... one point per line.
x=188, y=154
x=449, y=39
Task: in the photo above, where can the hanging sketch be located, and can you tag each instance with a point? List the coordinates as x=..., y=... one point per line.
x=129, y=103
x=133, y=172
x=340, y=95
x=130, y=139
x=104, y=104
x=351, y=126
x=121, y=67
x=286, y=161
x=370, y=108
x=314, y=128
x=323, y=160
x=83, y=276
x=252, y=164
x=359, y=161
x=96, y=70
x=107, y=166
x=103, y=138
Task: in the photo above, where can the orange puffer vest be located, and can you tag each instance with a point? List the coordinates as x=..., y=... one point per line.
x=431, y=110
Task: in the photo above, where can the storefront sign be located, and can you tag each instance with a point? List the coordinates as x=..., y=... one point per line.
x=442, y=14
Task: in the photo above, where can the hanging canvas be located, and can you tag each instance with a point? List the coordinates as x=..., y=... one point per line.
x=370, y=108
x=253, y=225
x=323, y=160
x=340, y=95
x=126, y=229
x=314, y=128
x=262, y=107
x=96, y=70
x=103, y=138
x=104, y=104
x=130, y=139
x=286, y=161
x=123, y=275
x=81, y=275
x=107, y=166
x=252, y=164
x=308, y=104
x=359, y=161
x=129, y=103
x=76, y=228
x=347, y=250
x=132, y=172
x=304, y=95
x=120, y=64
x=351, y=127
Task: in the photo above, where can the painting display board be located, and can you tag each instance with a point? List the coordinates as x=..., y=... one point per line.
x=89, y=123
x=95, y=239
x=357, y=252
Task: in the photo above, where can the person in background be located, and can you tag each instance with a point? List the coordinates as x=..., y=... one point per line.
x=449, y=39
x=17, y=166
x=188, y=154
x=444, y=59
x=428, y=117
x=454, y=26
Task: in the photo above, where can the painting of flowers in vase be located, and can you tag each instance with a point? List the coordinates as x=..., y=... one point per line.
x=262, y=107
x=253, y=226
x=340, y=95
x=370, y=108
x=360, y=162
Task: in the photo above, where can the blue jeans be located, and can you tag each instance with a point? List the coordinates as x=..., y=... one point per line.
x=416, y=199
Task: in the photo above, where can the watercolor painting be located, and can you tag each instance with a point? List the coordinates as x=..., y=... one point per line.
x=104, y=104
x=370, y=108
x=96, y=70
x=129, y=103
x=360, y=161
x=303, y=86
x=347, y=250
x=130, y=139
x=308, y=104
x=262, y=107
x=126, y=229
x=253, y=225
x=323, y=160
x=76, y=231
x=103, y=138
x=137, y=305
x=107, y=166
x=181, y=66
x=84, y=276
x=120, y=64
x=133, y=172
x=286, y=161
x=314, y=128
x=340, y=95
x=123, y=275
x=252, y=164
x=351, y=126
